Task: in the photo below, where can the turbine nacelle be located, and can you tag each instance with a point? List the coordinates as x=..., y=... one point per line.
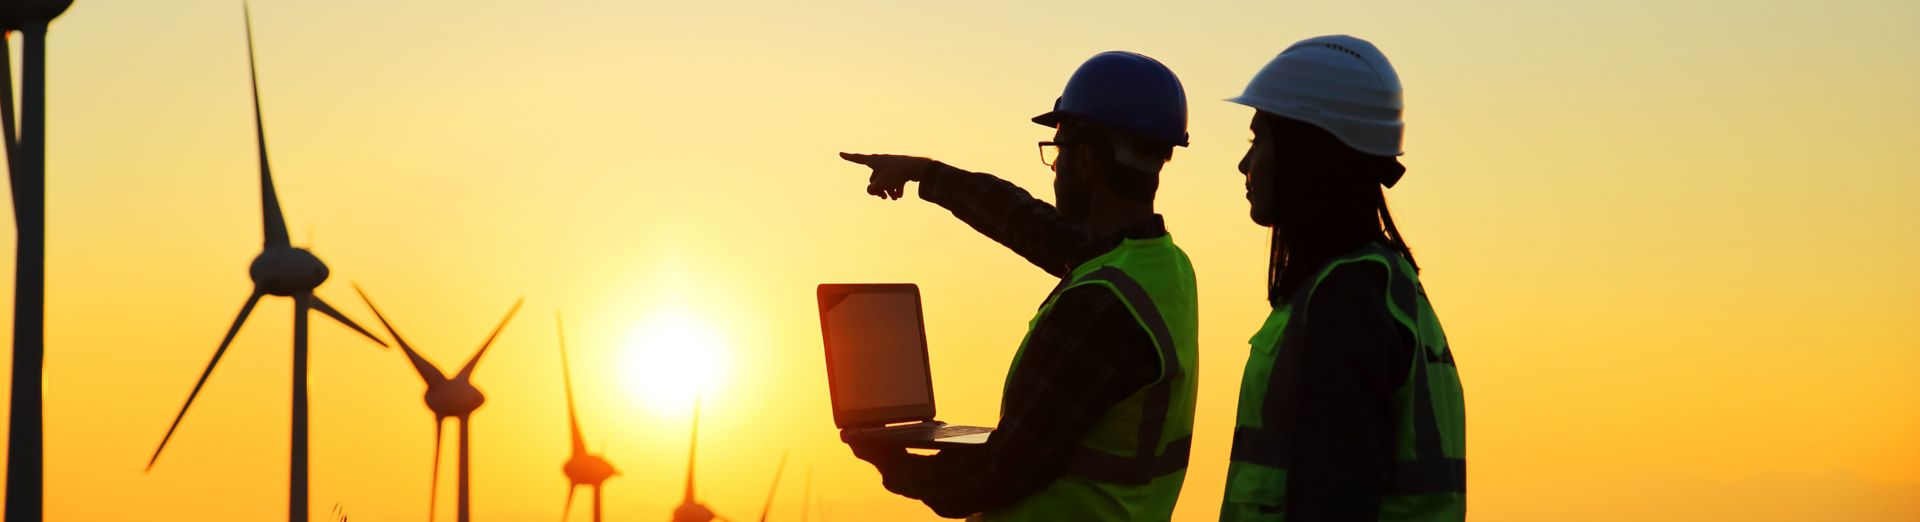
x=287, y=271
x=692, y=512
x=454, y=398
x=15, y=14
x=588, y=469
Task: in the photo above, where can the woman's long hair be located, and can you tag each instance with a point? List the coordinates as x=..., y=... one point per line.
x=1328, y=200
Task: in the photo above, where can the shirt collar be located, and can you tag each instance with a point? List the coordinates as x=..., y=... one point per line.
x=1152, y=227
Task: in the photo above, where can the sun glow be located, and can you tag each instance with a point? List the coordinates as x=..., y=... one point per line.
x=670, y=358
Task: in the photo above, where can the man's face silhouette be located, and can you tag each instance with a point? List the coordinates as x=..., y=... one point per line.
x=1072, y=187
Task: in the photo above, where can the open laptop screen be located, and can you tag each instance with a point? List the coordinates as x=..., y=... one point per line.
x=877, y=365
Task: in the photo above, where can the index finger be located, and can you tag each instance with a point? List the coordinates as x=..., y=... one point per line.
x=862, y=159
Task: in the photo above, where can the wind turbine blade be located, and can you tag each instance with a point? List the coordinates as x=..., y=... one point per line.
x=433, y=491
x=806, y=495
x=427, y=370
x=693, y=444
x=272, y=222
x=467, y=371
x=6, y=97
x=566, y=375
x=314, y=302
x=777, y=470
x=217, y=352
x=568, y=507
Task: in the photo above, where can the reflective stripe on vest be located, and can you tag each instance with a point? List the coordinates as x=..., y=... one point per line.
x=1145, y=464
x=1420, y=476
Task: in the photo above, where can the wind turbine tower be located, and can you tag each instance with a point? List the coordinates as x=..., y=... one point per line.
x=26, y=149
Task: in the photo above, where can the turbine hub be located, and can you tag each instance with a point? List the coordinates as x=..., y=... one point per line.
x=287, y=271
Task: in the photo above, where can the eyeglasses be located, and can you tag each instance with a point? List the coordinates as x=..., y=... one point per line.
x=1050, y=151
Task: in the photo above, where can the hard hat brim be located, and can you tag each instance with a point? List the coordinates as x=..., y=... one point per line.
x=1274, y=109
x=1051, y=119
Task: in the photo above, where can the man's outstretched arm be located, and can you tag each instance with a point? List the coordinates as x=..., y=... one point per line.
x=1000, y=210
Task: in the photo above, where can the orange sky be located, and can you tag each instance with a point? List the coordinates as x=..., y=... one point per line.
x=1673, y=243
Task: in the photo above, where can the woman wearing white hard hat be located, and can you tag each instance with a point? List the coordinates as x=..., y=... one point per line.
x=1350, y=405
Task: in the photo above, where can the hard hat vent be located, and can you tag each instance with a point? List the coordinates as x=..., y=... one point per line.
x=1350, y=52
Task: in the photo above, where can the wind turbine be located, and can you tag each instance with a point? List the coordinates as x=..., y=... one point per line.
x=777, y=471
x=26, y=150
x=690, y=509
x=582, y=469
x=806, y=497
x=284, y=270
x=806, y=501
x=447, y=397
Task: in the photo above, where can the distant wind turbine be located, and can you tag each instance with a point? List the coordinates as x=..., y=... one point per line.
x=690, y=509
x=807, y=499
x=777, y=471
x=284, y=270
x=583, y=468
x=447, y=397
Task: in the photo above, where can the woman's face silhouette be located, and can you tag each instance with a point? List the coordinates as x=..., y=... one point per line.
x=1260, y=168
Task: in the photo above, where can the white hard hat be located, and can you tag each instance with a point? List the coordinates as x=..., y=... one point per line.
x=1339, y=83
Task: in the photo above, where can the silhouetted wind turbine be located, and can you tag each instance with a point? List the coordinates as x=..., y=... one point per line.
x=26, y=150
x=777, y=471
x=283, y=270
x=447, y=397
x=806, y=497
x=582, y=469
x=691, y=510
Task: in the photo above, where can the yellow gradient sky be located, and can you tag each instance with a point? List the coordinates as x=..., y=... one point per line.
x=1674, y=243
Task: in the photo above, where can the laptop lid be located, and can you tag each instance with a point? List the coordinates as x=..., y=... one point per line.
x=876, y=345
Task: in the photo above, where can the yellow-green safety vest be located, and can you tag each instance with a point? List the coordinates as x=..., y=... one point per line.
x=1429, y=463
x=1131, y=464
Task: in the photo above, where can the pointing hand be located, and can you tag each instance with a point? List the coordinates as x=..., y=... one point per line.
x=890, y=172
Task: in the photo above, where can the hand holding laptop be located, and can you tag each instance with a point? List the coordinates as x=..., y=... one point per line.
x=880, y=455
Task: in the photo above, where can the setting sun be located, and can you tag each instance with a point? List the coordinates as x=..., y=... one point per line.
x=670, y=358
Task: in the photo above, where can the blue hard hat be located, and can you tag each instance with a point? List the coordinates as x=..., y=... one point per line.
x=1125, y=91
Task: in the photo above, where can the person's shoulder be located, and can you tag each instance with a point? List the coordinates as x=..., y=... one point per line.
x=1358, y=286
x=1090, y=294
x=1095, y=302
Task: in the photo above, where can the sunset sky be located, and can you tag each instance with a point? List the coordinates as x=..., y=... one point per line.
x=1675, y=245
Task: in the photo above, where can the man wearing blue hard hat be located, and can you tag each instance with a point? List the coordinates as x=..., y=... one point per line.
x=1096, y=415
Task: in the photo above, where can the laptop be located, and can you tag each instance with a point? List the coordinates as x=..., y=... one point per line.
x=878, y=373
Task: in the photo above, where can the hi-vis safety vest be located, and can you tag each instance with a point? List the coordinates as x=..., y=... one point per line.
x=1131, y=465
x=1429, y=462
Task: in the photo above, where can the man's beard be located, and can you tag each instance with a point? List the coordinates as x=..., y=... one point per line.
x=1071, y=197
